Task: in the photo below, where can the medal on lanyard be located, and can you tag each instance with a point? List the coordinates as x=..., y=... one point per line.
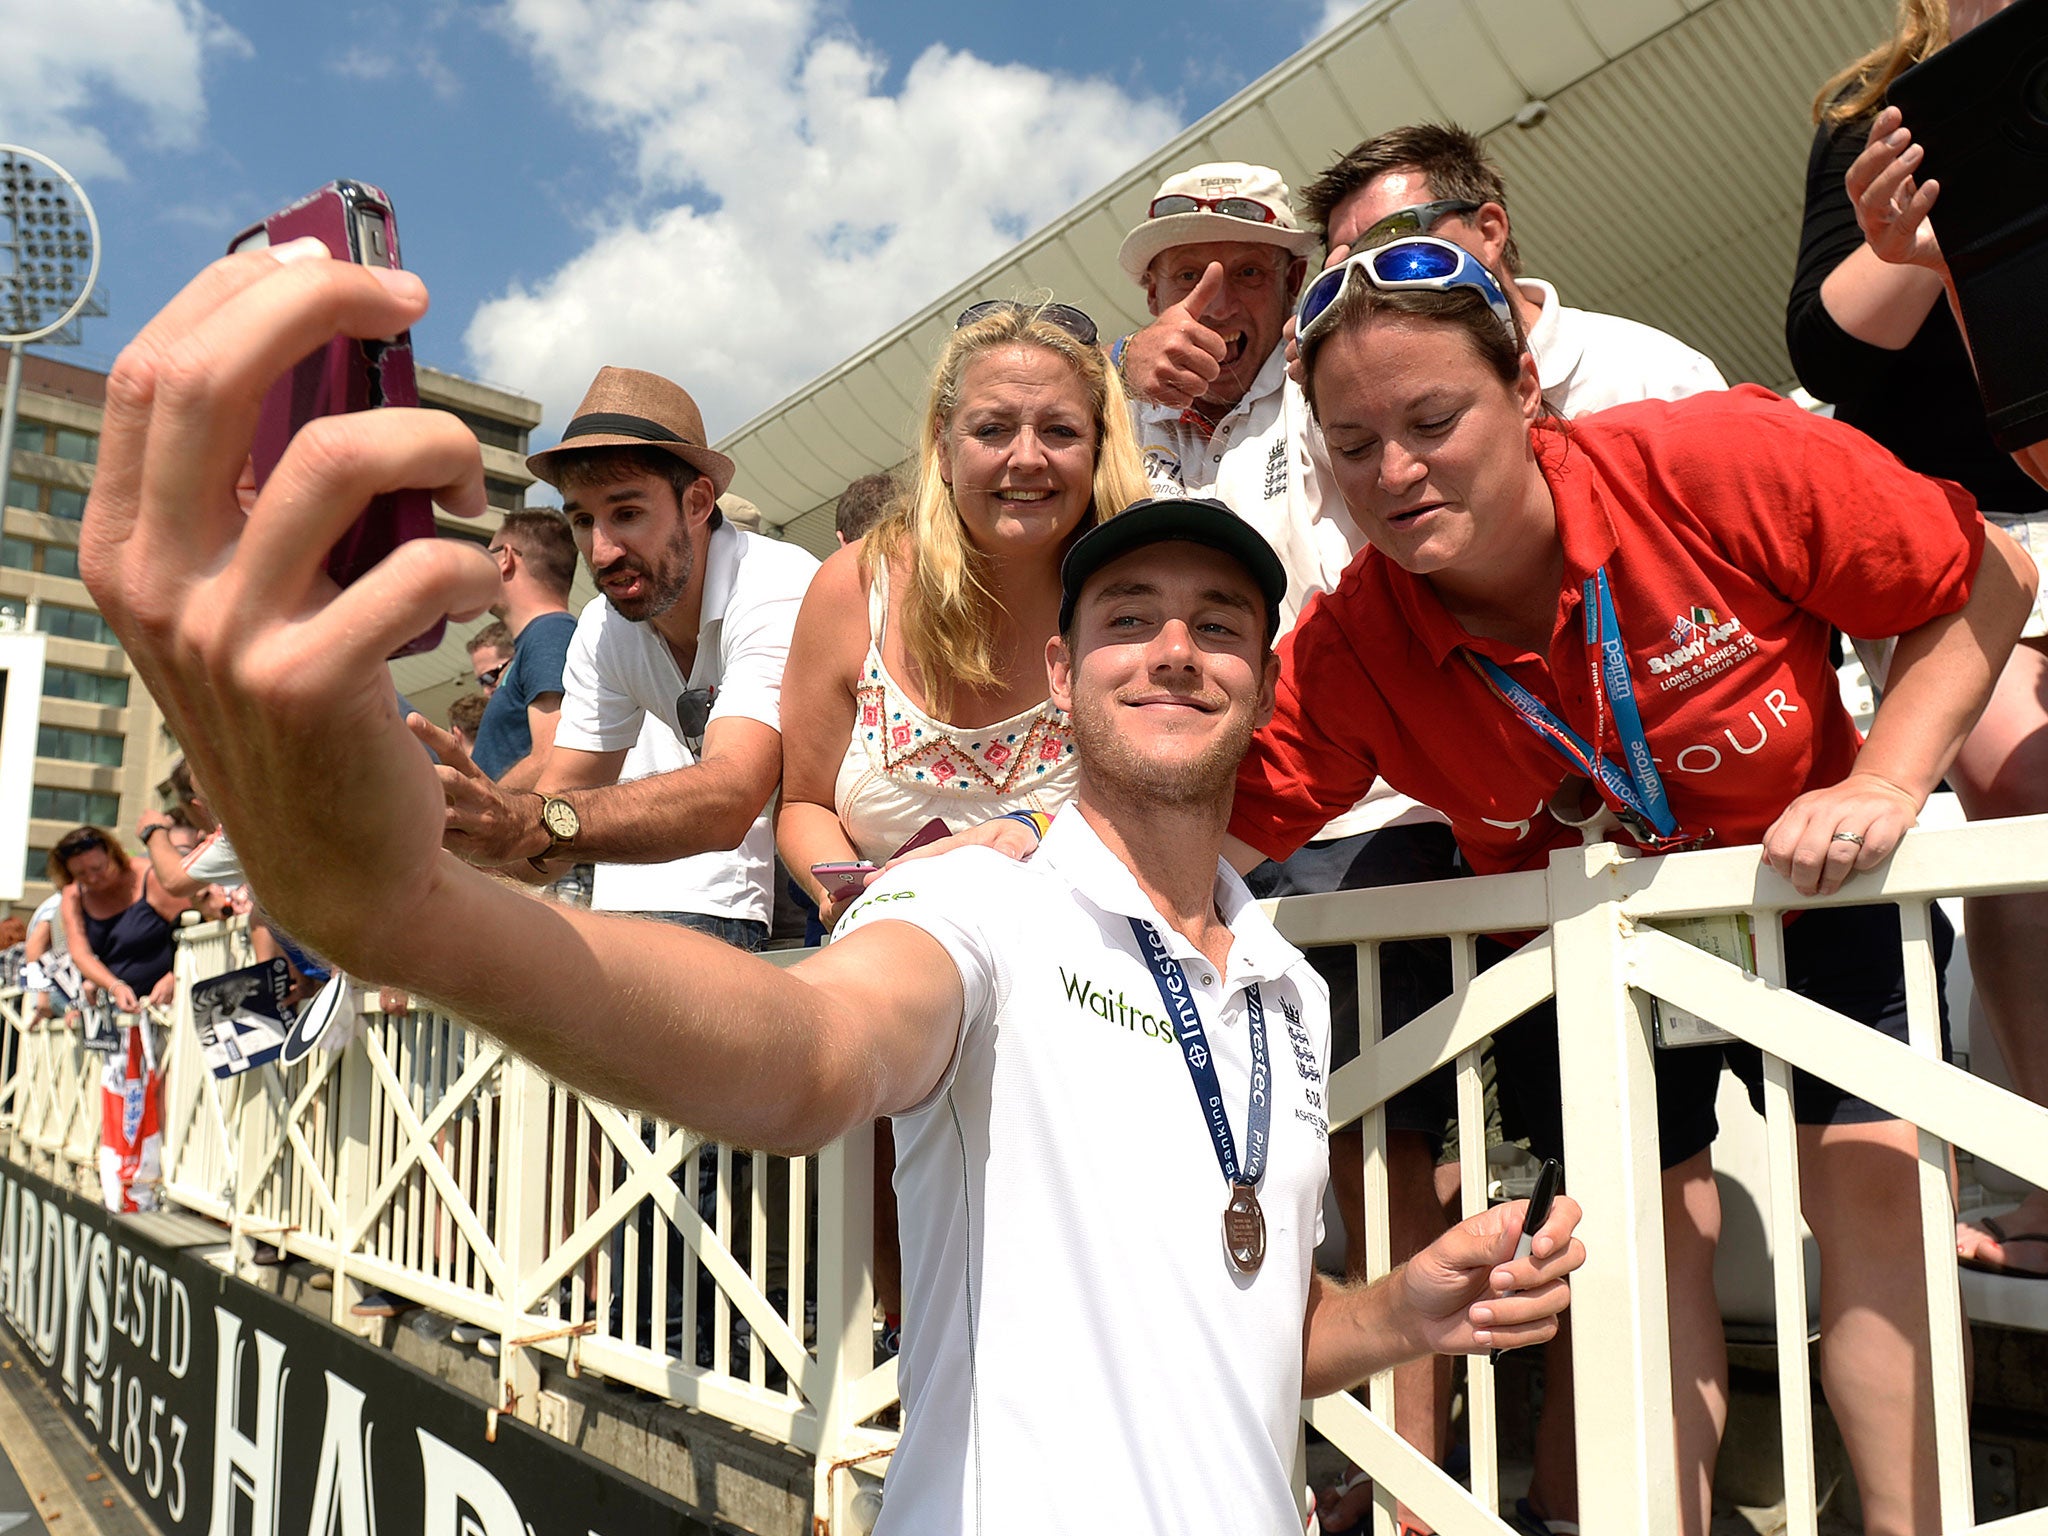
x=1244, y=1222
x=1643, y=806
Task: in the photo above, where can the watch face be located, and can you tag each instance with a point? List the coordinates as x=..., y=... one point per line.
x=559, y=816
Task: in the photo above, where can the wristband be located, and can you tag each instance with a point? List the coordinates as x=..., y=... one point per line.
x=1037, y=821
x=153, y=827
x=1116, y=354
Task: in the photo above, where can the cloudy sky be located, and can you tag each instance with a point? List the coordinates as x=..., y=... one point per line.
x=758, y=187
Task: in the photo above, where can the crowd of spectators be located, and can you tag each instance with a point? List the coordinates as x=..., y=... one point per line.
x=1462, y=478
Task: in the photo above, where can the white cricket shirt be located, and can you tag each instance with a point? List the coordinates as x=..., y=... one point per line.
x=1078, y=1353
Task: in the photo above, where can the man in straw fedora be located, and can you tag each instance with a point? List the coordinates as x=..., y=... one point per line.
x=691, y=633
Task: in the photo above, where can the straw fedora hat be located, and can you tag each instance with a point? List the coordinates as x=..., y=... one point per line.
x=625, y=408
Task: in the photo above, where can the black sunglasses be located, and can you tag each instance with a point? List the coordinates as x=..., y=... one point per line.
x=1069, y=319
x=693, y=714
x=1417, y=219
x=490, y=679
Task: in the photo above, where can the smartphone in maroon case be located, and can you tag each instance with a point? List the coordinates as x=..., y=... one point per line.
x=354, y=221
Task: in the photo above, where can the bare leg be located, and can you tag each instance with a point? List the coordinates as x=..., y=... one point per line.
x=1858, y=1191
x=2003, y=771
x=1699, y=1361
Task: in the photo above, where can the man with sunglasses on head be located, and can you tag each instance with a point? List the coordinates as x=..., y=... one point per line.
x=536, y=558
x=1435, y=179
x=685, y=644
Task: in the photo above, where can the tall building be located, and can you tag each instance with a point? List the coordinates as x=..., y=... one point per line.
x=101, y=748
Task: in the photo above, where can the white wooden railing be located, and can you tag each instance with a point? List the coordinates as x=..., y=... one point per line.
x=426, y=1161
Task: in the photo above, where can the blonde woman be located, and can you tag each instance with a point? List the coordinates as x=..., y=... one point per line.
x=1871, y=330
x=916, y=685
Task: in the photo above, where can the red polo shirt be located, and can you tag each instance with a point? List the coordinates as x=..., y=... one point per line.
x=1735, y=529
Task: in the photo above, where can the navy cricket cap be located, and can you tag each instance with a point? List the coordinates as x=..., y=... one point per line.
x=1165, y=520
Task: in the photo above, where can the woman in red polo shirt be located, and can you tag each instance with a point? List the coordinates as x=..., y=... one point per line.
x=1628, y=618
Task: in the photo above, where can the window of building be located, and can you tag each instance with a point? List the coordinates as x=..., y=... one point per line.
x=92, y=687
x=38, y=866
x=17, y=554
x=78, y=746
x=80, y=805
x=491, y=432
x=14, y=610
x=80, y=447
x=25, y=494
x=60, y=560
x=74, y=624
x=66, y=503
x=503, y=493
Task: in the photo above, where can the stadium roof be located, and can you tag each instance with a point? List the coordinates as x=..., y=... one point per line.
x=1654, y=152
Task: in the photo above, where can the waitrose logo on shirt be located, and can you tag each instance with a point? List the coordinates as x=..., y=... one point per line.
x=1111, y=1004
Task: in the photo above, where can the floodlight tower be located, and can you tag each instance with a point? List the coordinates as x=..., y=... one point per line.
x=49, y=260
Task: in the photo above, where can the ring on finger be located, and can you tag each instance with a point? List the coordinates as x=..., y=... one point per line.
x=1848, y=837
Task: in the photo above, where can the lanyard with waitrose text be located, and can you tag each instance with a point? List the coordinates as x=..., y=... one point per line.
x=1644, y=807
x=1179, y=999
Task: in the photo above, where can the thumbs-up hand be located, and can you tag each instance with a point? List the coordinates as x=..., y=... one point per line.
x=1175, y=359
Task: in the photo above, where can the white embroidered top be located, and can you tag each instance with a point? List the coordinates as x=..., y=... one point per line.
x=902, y=767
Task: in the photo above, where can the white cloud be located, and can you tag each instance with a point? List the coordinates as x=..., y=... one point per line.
x=789, y=209
x=62, y=66
x=1334, y=11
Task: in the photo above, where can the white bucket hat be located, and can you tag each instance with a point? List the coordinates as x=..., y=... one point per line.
x=1200, y=224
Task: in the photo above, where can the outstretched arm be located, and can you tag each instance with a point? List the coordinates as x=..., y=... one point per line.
x=279, y=682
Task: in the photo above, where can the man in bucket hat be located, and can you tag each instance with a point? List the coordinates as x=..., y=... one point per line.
x=1221, y=255
x=691, y=632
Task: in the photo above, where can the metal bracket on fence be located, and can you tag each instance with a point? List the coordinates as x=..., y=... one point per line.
x=821, y=1525
x=566, y=1331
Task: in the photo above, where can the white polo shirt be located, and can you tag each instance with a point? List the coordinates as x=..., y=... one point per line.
x=1079, y=1354
x=618, y=672
x=1253, y=464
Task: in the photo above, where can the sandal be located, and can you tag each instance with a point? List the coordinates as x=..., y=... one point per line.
x=1530, y=1523
x=1362, y=1526
x=1999, y=1236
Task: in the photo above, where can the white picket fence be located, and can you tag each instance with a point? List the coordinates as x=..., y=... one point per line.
x=425, y=1161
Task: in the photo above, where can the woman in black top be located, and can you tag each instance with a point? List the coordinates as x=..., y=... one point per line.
x=1870, y=328
x=119, y=921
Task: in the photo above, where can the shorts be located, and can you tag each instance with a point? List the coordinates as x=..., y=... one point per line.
x=2029, y=530
x=1415, y=974
x=1845, y=958
x=745, y=933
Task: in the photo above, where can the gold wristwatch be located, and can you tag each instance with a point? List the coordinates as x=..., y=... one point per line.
x=559, y=820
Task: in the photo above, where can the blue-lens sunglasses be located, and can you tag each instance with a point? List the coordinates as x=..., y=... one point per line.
x=1419, y=261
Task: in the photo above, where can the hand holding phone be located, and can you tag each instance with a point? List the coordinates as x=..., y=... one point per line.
x=843, y=880
x=355, y=222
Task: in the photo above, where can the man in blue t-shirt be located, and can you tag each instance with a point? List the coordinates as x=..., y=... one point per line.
x=536, y=557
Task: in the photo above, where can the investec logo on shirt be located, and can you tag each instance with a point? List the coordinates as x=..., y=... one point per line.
x=1113, y=1006
x=1705, y=644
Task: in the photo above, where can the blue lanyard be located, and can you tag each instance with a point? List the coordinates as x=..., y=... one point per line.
x=1179, y=999
x=1643, y=806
